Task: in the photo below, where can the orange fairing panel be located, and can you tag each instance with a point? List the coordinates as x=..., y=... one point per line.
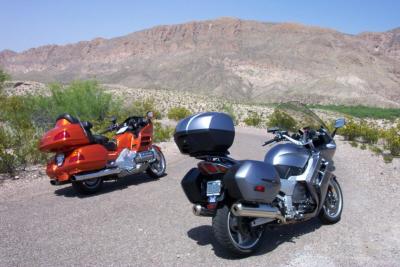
x=63, y=137
x=87, y=158
x=145, y=138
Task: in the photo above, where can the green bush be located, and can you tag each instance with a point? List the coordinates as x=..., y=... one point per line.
x=360, y=111
x=350, y=131
x=283, y=121
x=392, y=140
x=3, y=77
x=376, y=150
x=178, y=113
x=139, y=108
x=228, y=109
x=354, y=144
x=253, y=119
x=162, y=133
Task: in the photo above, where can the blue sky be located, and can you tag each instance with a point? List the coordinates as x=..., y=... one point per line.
x=26, y=24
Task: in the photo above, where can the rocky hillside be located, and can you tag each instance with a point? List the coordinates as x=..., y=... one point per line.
x=238, y=59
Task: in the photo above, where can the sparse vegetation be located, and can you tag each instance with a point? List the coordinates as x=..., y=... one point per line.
x=228, y=109
x=360, y=111
x=282, y=120
x=178, y=113
x=392, y=140
x=162, y=133
x=253, y=119
x=24, y=119
x=354, y=144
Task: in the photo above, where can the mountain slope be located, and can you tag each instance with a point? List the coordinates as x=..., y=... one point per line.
x=239, y=59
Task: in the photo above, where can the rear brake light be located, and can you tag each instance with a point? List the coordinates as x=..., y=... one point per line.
x=76, y=158
x=212, y=168
x=61, y=135
x=259, y=188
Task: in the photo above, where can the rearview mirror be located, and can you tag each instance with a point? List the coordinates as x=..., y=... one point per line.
x=113, y=120
x=272, y=129
x=149, y=114
x=340, y=123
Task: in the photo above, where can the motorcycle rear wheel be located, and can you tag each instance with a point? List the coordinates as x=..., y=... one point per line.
x=88, y=187
x=235, y=233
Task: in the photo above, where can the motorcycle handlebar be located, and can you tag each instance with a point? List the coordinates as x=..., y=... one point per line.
x=270, y=141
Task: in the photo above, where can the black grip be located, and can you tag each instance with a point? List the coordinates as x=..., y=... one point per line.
x=270, y=141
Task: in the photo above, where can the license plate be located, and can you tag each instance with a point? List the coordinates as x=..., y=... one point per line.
x=213, y=188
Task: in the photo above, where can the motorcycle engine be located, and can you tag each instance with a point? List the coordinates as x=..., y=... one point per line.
x=302, y=200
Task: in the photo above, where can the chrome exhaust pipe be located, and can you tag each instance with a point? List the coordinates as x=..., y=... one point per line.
x=102, y=173
x=262, y=211
x=198, y=210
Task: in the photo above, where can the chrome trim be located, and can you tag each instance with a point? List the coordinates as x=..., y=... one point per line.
x=262, y=211
x=102, y=173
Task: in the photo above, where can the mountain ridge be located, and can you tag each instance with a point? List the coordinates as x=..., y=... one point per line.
x=234, y=58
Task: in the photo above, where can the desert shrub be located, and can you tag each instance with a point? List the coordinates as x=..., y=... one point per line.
x=83, y=99
x=178, y=113
x=354, y=144
x=282, y=120
x=350, y=131
x=139, y=108
x=3, y=77
x=162, y=133
x=387, y=158
x=253, y=119
x=8, y=159
x=228, y=109
x=392, y=140
x=363, y=147
x=376, y=150
x=368, y=133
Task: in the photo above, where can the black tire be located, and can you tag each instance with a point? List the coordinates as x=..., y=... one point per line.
x=89, y=187
x=157, y=169
x=324, y=215
x=222, y=232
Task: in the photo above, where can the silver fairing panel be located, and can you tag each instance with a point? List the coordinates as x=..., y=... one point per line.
x=206, y=121
x=288, y=154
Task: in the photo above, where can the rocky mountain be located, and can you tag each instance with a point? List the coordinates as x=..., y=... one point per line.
x=238, y=59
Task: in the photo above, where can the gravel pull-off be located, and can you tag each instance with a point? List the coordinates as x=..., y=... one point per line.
x=144, y=222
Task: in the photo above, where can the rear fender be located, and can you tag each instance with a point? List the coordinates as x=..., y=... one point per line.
x=83, y=159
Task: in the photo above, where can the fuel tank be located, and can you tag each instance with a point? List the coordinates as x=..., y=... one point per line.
x=288, y=159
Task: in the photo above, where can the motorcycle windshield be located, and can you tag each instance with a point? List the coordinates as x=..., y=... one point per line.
x=294, y=116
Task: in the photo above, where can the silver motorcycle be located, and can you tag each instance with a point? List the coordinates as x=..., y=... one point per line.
x=294, y=182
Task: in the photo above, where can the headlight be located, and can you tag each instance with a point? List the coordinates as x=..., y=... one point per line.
x=60, y=159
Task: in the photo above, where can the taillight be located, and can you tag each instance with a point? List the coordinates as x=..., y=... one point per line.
x=76, y=157
x=259, y=188
x=61, y=135
x=211, y=167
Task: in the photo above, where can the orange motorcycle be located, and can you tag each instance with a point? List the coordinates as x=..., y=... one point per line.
x=87, y=159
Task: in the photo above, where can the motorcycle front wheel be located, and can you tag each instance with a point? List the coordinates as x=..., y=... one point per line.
x=236, y=233
x=331, y=211
x=158, y=167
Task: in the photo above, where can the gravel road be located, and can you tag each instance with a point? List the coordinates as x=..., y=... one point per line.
x=138, y=221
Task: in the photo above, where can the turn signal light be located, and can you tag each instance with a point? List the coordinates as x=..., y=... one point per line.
x=76, y=158
x=61, y=135
x=259, y=188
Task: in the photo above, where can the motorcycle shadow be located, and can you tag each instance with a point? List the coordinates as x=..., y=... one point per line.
x=109, y=186
x=273, y=237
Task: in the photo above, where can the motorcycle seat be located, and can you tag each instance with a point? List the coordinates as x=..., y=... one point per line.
x=104, y=141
